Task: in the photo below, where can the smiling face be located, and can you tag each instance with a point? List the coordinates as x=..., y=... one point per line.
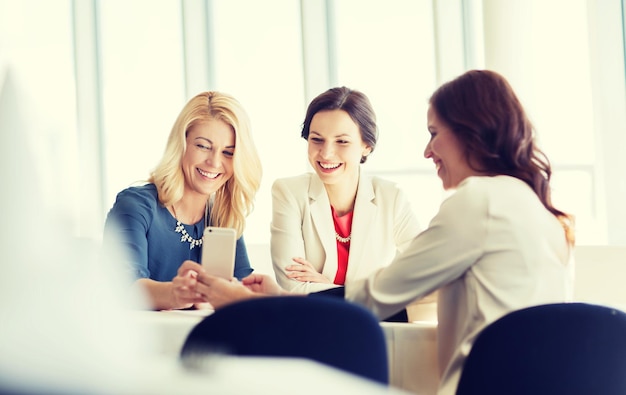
x=335, y=146
x=208, y=160
x=446, y=151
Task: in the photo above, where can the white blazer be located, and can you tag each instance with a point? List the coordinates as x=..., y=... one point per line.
x=302, y=226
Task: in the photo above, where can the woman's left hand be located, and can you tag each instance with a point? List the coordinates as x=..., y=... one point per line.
x=220, y=292
x=305, y=272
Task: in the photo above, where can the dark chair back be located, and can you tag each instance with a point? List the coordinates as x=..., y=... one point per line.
x=328, y=330
x=553, y=349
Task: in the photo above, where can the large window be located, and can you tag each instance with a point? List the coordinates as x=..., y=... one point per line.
x=259, y=60
x=108, y=78
x=141, y=63
x=550, y=70
x=36, y=50
x=389, y=54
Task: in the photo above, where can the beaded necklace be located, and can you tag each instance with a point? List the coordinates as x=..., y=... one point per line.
x=184, y=236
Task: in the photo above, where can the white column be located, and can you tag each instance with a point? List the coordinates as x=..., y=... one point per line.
x=608, y=71
x=89, y=119
x=198, y=46
x=507, y=41
x=316, y=51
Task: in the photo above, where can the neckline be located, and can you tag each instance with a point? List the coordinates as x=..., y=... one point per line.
x=204, y=220
x=343, y=225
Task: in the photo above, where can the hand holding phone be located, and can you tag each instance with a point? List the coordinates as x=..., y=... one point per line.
x=218, y=251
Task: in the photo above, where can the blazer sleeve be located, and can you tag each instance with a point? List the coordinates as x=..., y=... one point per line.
x=287, y=241
x=407, y=226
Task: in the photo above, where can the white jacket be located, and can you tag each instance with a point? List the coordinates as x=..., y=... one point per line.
x=302, y=226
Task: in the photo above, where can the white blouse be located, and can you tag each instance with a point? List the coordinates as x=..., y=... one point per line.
x=492, y=248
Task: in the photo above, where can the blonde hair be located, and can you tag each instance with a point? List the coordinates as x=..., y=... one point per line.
x=234, y=201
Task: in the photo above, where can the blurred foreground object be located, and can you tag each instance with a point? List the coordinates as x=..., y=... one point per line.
x=63, y=328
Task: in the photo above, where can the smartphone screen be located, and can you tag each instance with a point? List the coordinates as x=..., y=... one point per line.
x=218, y=251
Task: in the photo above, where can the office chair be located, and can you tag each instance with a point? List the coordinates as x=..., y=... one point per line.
x=327, y=330
x=552, y=349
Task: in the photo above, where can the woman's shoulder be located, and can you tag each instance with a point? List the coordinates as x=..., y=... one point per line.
x=381, y=183
x=381, y=187
x=485, y=191
x=141, y=195
x=148, y=190
x=471, y=194
x=493, y=184
x=301, y=180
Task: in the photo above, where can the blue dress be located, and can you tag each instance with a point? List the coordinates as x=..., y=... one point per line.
x=146, y=230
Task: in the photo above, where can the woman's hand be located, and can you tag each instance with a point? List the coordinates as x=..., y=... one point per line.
x=220, y=292
x=262, y=283
x=305, y=272
x=183, y=291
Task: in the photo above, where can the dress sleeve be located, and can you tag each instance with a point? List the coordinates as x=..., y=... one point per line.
x=126, y=228
x=443, y=252
x=242, y=261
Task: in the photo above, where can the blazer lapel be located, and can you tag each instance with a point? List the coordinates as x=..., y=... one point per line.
x=323, y=221
x=364, y=213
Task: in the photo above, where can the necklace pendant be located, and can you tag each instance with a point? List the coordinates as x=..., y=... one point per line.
x=184, y=236
x=179, y=227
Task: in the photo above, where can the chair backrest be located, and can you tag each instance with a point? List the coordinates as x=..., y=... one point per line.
x=325, y=329
x=563, y=348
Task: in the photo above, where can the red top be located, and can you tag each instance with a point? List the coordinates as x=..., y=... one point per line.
x=343, y=226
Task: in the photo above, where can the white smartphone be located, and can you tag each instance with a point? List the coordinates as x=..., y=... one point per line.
x=218, y=251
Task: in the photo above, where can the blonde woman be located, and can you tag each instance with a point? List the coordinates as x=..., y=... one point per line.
x=209, y=175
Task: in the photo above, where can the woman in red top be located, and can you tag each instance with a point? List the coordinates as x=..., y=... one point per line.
x=336, y=224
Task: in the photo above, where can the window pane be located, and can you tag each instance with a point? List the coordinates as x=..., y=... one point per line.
x=555, y=88
x=561, y=84
x=142, y=86
x=259, y=61
x=37, y=46
x=424, y=192
x=573, y=192
x=386, y=50
x=388, y=53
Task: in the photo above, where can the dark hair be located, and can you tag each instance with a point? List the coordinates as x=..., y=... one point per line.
x=482, y=110
x=355, y=103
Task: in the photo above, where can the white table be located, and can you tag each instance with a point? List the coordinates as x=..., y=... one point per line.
x=412, y=347
x=412, y=352
x=224, y=375
x=272, y=376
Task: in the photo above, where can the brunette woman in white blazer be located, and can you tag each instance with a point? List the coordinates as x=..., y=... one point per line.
x=497, y=244
x=337, y=225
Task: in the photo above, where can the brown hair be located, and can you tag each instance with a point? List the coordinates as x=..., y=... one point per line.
x=353, y=102
x=482, y=110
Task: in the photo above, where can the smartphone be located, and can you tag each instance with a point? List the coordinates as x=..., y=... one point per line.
x=218, y=251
